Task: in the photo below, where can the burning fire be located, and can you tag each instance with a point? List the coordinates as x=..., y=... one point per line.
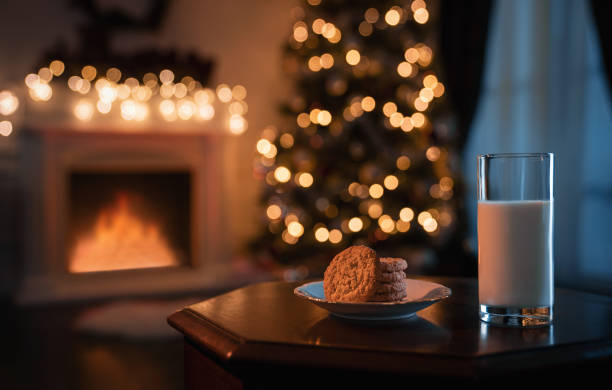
x=120, y=240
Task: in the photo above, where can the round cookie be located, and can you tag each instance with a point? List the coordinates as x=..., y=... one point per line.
x=392, y=264
x=384, y=288
x=392, y=296
x=352, y=275
x=390, y=277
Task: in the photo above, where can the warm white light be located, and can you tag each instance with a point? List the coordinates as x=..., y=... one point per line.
x=430, y=81
x=295, y=229
x=406, y=214
x=6, y=128
x=314, y=63
x=185, y=109
x=107, y=94
x=84, y=110
x=167, y=107
x=142, y=111
x=103, y=107
x=239, y=92
x=402, y=226
x=57, y=67
x=404, y=69
x=75, y=83
x=407, y=125
x=421, y=15
x=327, y=60
x=392, y=17
x=411, y=55
x=282, y=174
x=368, y=103
x=420, y=104
x=396, y=119
x=355, y=224
x=324, y=118
x=353, y=57
x=418, y=119
x=237, y=108
x=263, y=146
x=317, y=25
x=128, y=110
x=45, y=75
x=375, y=210
x=84, y=86
x=204, y=96
x=391, y=182
x=180, y=90
x=426, y=94
x=8, y=103
x=321, y=234
x=32, y=80
x=206, y=111
x=376, y=191
x=123, y=91
x=237, y=124
x=41, y=92
x=386, y=223
x=335, y=236
x=166, y=76
x=430, y=225
x=274, y=211
x=272, y=152
x=423, y=216
x=389, y=108
x=305, y=179
x=300, y=33
x=433, y=153
x=224, y=93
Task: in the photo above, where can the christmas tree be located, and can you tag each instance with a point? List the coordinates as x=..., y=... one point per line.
x=367, y=153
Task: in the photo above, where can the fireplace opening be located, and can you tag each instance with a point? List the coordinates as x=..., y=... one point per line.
x=128, y=220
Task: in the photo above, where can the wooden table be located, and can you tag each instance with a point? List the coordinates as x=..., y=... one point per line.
x=264, y=336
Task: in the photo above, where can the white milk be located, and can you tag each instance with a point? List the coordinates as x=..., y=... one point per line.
x=515, y=253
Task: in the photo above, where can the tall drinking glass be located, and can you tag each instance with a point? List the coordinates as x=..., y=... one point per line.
x=515, y=226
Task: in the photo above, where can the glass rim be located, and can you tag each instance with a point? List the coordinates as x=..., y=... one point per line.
x=515, y=155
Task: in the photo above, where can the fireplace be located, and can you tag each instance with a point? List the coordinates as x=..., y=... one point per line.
x=120, y=220
x=110, y=213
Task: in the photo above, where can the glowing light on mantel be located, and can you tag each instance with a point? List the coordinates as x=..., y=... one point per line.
x=160, y=95
x=120, y=240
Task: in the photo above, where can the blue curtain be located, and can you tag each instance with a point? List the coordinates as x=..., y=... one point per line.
x=545, y=90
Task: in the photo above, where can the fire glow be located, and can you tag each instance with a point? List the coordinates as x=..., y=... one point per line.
x=121, y=240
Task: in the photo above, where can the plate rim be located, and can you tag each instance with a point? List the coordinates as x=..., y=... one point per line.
x=297, y=292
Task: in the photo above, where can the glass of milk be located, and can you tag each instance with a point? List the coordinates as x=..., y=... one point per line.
x=515, y=225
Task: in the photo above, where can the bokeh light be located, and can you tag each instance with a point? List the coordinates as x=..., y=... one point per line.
x=282, y=174
x=84, y=110
x=353, y=57
x=6, y=128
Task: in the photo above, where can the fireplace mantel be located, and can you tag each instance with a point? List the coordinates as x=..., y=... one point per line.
x=50, y=154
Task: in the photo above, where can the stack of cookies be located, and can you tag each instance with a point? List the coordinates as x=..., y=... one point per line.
x=357, y=275
x=392, y=280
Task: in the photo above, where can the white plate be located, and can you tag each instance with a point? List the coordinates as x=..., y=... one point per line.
x=420, y=295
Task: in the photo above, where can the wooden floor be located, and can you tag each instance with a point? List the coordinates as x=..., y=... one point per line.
x=41, y=350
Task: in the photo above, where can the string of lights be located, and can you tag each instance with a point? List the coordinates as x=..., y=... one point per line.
x=155, y=95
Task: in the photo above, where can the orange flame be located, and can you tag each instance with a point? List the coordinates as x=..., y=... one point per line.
x=120, y=240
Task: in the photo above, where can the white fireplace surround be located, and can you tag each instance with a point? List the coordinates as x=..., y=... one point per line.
x=49, y=155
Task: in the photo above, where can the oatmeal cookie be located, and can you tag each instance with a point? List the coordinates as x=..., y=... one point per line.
x=352, y=275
